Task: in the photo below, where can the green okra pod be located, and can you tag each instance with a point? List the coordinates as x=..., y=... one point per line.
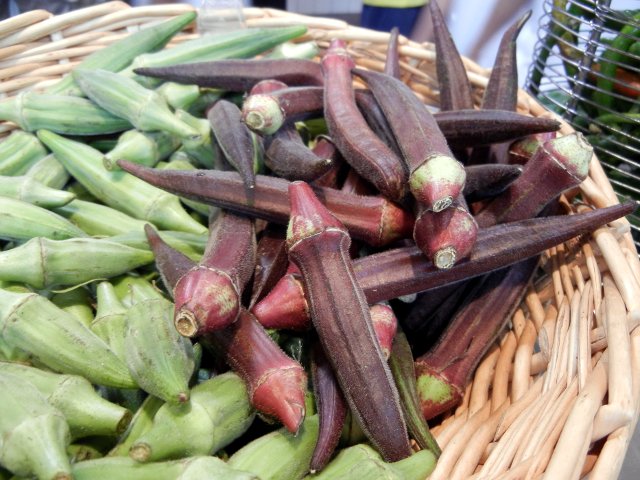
x=140, y=423
x=19, y=151
x=58, y=340
x=203, y=151
x=145, y=148
x=190, y=245
x=192, y=468
x=110, y=319
x=159, y=358
x=34, y=433
x=118, y=189
x=62, y=114
x=49, y=171
x=218, y=412
x=178, y=95
x=279, y=454
x=363, y=462
x=43, y=263
x=27, y=189
x=98, y=220
x=22, y=221
x=87, y=413
x=145, y=109
x=119, y=54
x=76, y=301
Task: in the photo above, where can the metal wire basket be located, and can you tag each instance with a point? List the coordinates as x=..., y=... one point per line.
x=586, y=68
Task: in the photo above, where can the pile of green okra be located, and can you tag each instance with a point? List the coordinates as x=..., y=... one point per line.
x=241, y=257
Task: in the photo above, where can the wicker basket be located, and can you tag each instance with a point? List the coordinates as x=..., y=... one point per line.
x=550, y=398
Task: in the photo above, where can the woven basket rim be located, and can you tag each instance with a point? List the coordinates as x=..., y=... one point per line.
x=488, y=433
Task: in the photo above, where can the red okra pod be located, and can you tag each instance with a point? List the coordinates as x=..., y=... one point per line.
x=405, y=271
x=392, y=59
x=455, y=88
x=436, y=178
x=331, y=406
x=557, y=165
x=276, y=382
x=318, y=244
x=359, y=145
x=208, y=296
x=374, y=220
x=239, y=75
x=443, y=372
x=234, y=139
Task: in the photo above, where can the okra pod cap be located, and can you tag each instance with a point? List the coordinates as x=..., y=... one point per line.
x=438, y=181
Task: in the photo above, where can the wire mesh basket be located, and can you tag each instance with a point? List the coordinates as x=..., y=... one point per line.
x=587, y=69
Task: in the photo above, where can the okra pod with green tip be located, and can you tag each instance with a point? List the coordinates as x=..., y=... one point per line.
x=34, y=433
x=192, y=468
x=110, y=318
x=21, y=221
x=43, y=263
x=159, y=359
x=19, y=151
x=49, y=171
x=120, y=53
x=145, y=109
x=218, y=412
x=146, y=148
x=363, y=462
x=66, y=115
x=58, y=340
x=87, y=413
x=279, y=454
x=118, y=189
x=27, y=189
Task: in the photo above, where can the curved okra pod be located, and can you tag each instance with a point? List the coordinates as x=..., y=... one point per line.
x=359, y=145
x=208, y=296
x=150, y=341
x=392, y=59
x=375, y=220
x=59, y=340
x=49, y=171
x=117, y=189
x=34, y=433
x=218, y=412
x=318, y=244
x=30, y=190
x=87, y=413
x=436, y=178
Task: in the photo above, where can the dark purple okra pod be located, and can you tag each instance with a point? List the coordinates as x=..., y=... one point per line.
x=444, y=371
x=502, y=89
x=374, y=220
x=359, y=145
x=436, y=178
x=239, y=75
x=287, y=155
x=557, y=165
x=208, y=296
x=374, y=116
x=392, y=59
x=488, y=180
x=318, y=244
x=271, y=261
x=276, y=383
x=331, y=406
x=405, y=271
x=454, y=86
x=234, y=139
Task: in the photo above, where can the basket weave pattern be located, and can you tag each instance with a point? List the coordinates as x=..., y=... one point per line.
x=550, y=399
